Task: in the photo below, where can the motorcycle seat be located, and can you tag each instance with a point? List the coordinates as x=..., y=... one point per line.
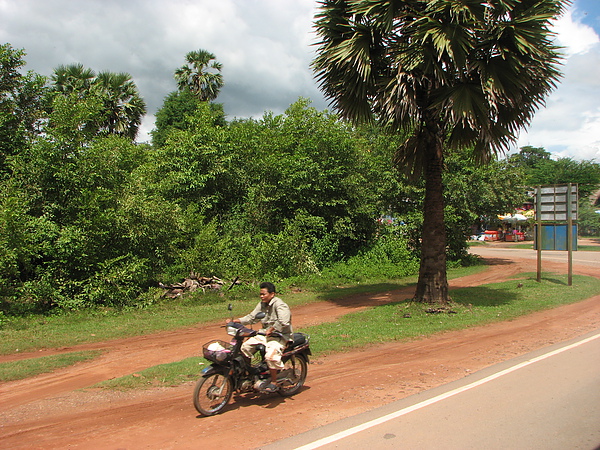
x=298, y=339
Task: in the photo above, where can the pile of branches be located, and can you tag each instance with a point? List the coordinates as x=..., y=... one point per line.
x=191, y=284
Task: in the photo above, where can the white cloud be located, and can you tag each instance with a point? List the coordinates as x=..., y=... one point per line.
x=265, y=48
x=576, y=37
x=569, y=125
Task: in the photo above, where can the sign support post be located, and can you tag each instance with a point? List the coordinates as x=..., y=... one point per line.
x=538, y=232
x=570, y=233
x=556, y=207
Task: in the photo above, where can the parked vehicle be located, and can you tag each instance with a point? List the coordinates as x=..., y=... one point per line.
x=230, y=371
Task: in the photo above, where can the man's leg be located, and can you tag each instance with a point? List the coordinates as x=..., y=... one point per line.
x=274, y=350
x=249, y=346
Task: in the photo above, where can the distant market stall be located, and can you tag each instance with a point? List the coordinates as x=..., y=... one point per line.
x=513, y=226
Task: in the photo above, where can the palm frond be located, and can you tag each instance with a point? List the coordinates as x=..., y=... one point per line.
x=480, y=70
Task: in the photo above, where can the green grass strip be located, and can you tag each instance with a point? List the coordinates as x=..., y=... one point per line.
x=471, y=306
x=171, y=374
x=589, y=248
x=78, y=327
x=18, y=370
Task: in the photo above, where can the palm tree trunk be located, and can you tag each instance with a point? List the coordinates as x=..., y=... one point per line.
x=432, y=286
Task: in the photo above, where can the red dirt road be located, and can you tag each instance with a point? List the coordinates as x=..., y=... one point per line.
x=52, y=410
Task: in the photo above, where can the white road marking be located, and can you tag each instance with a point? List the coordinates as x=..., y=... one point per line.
x=402, y=412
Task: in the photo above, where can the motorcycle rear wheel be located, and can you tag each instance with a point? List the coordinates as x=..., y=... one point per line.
x=292, y=377
x=212, y=393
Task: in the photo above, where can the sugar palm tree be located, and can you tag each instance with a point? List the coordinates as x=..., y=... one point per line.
x=200, y=76
x=449, y=73
x=124, y=108
x=72, y=78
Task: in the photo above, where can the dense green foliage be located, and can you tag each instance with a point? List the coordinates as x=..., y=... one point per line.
x=539, y=169
x=20, y=104
x=450, y=75
x=89, y=218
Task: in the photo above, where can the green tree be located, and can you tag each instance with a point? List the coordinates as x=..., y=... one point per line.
x=123, y=107
x=588, y=219
x=308, y=163
x=194, y=166
x=529, y=156
x=177, y=108
x=290, y=192
x=200, y=76
x=21, y=104
x=453, y=74
x=475, y=191
x=586, y=174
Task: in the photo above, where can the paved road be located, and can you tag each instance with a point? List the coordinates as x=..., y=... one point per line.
x=548, y=399
x=586, y=258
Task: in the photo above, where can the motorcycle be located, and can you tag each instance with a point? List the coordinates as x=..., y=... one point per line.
x=230, y=371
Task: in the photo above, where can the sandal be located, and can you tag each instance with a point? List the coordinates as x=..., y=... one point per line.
x=270, y=388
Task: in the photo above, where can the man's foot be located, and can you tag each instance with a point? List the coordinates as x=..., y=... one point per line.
x=270, y=388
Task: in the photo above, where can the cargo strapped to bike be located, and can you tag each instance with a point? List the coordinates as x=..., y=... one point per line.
x=298, y=339
x=298, y=344
x=217, y=351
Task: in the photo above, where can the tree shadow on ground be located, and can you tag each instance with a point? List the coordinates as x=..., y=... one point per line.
x=483, y=296
x=368, y=294
x=495, y=261
x=555, y=281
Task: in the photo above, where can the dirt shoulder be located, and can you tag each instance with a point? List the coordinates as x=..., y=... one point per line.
x=51, y=411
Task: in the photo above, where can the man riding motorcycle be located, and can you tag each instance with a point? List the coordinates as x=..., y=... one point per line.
x=278, y=325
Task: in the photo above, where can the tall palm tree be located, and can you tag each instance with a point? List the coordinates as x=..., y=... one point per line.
x=450, y=73
x=123, y=108
x=73, y=78
x=123, y=105
x=201, y=77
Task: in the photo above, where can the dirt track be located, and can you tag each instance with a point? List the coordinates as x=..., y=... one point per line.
x=51, y=411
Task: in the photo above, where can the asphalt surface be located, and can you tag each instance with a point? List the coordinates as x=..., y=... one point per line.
x=579, y=257
x=547, y=399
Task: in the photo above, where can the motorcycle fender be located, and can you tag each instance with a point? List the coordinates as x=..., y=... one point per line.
x=301, y=350
x=211, y=370
x=304, y=352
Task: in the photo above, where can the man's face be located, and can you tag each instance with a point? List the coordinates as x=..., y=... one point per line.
x=266, y=296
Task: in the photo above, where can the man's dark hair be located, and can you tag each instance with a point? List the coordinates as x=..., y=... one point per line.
x=270, y=287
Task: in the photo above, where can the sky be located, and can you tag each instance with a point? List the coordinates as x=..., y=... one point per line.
x=266, y=47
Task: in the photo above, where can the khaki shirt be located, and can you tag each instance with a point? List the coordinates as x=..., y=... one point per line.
x=278, y=316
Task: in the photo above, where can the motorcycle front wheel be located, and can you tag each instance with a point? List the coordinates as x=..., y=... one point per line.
x=292, y=377
x=212, y=393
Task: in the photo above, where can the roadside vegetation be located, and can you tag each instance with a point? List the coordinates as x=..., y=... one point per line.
x=93, y=223
x=393, y=322
x=92, y=219
x=402, y=321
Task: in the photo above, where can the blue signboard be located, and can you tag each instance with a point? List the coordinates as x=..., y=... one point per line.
x=554, y=237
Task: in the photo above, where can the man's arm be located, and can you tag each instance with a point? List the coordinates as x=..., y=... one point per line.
x=284, y=317
x=250, y=318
